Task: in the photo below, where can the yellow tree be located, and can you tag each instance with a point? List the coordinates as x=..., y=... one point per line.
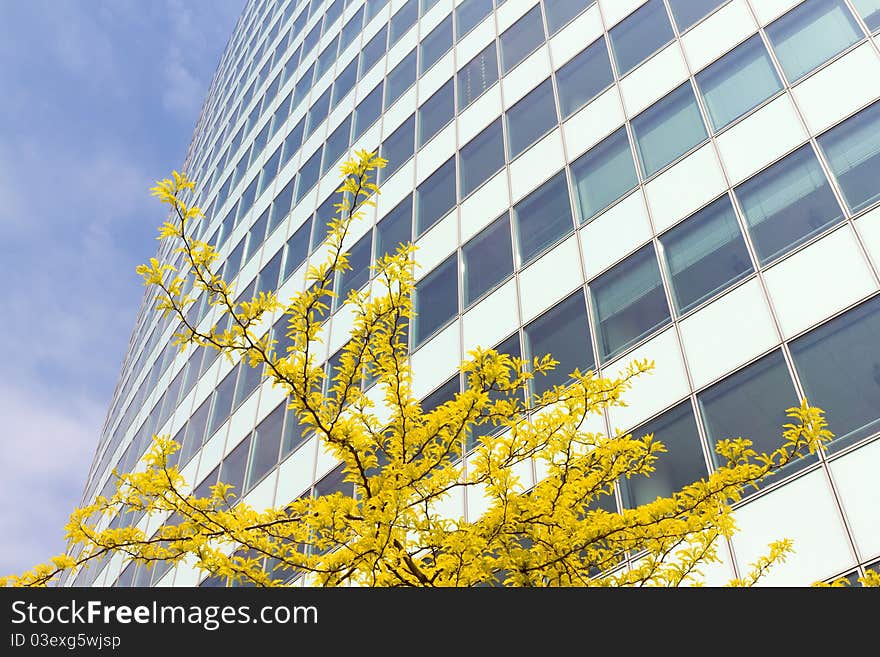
x=402, y=461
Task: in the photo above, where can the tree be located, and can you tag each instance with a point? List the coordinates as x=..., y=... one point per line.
x=402, y=460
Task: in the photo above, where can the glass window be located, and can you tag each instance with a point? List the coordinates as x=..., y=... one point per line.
x=603, y=174
x=281, y=205
x=480, y=158
x=233, y=466
x=325, y=213
x=469, y=14
x=681, y=464
x=629, y=302
x=336, y=144
x=436, y=300
x=560, y=12
x=688, y=12
x=344, y=82
x=303, y=86
x=293, y=140
x=751, y=404
x=404, y=19
x=436, y=113
x=374, y=6
x=738, y=82
x=394, y=229
x=564, y=333
x=367, y=111
x=352, y=29
x=853, y=151
x=308, y=174
x=294, y=433
x=581, y=79
x=476, y=76
x=543, y=217
x=233, y=262
x=327, y=58
x=359, y=273
x=531, y=118
x=668, y=129
x=267, y=281
x=222, y=402
x=436, y=44
x=401, y=78
x=248, y=380
x=705, y=254
x=281, y=114
x=839, y=365
x=487, y=260
x=811, y=34
x=297, y=248
x=435, y=197
x=521, y=38
x=787, y=204
x=195, y=432
x=374, y=50
x=443, y=394
x=398, y=147
x=311, y=39
x=318, y=112
x=256, y=235
x=270, y=168
x=640, y=35
x=870, y=12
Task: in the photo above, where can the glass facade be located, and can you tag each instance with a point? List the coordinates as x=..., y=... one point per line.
x=553, y=152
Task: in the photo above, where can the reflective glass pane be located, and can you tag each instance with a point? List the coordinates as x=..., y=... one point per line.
x=398, y=147
x=839, y=366
x=543, y=218
x=603, y=174
x=435, y=44
x=640, y=35
x=705, y=254
x=688, y=12
x=787, y=204
x=436, y=300
x=359, y=261
x=436, y=113
x=232, y=469
x=400, y=78
x=738, y=82
x=394, y=229
x=476, y=76
x=853, y=151
x=560, y=12
x=481, y=157
x=469, y=14
x=521, y=38
x=751, y=404
x=681, y=464
x=487, y=260
x=531, y=118
x=581, y=79
x=367, y=111
x=564, y=333
x=870, y=12
x=668, y=129
x=629, y=302
x=811, y=34
x=435, y=197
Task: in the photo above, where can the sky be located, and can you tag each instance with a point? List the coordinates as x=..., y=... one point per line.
x=98, y=100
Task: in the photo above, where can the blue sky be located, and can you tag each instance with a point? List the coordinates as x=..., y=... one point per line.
x=99, y=99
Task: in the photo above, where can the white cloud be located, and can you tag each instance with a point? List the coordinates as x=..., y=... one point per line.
x=45, y=456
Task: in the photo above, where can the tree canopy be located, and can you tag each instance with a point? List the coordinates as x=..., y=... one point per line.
x=401, y=461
